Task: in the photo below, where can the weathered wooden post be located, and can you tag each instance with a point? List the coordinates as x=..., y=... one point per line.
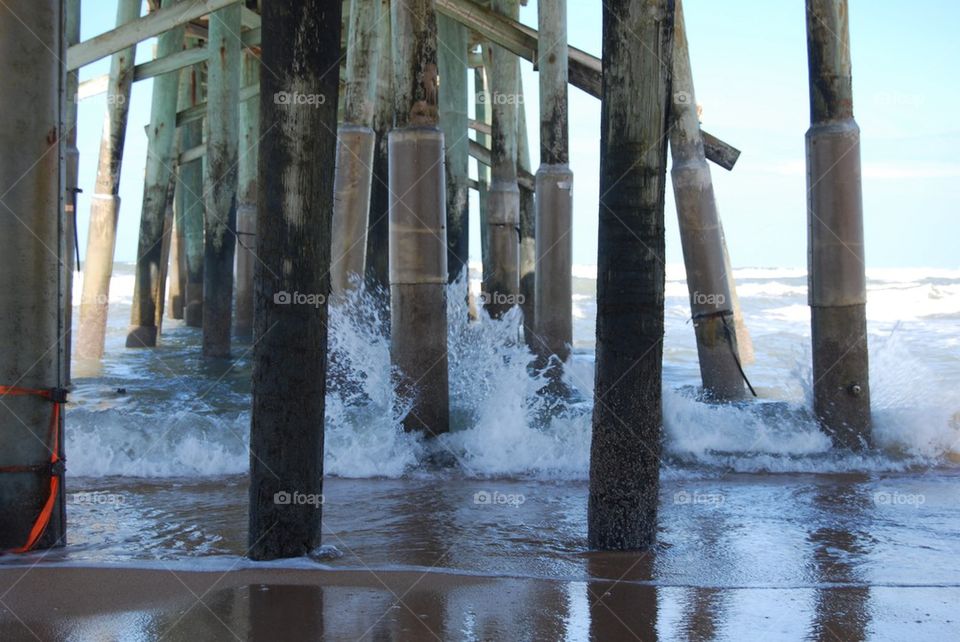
x=837, y=274
x=161, y=136
x=554, y=241
x=189, y=195
x=481, y=85
x=627, y=414
x=452, y=53
x=378, y=230
x=701, y=236
x=105, y=202
x=32, y=248
x=501, y=287
x=71, y=156
x=220, y=178
x=247, y=197
x=300, y=53
x=418, y=243
x=528, y=223
x=355, y=148
x=177, y=270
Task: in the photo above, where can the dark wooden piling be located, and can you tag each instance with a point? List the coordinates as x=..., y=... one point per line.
x=711, y=302
x=32, y=279
x=418, y=244
x=377, y=274
x=148, y=283
x=837, y=273
x=300, y=56
x=105, y=201
x=627, y=415
x=221, y=179
x=249, y=145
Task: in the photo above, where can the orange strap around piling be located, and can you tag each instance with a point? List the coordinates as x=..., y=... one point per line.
x=43, y=519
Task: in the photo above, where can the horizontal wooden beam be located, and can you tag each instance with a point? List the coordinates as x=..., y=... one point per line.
x=585, y=70
x=148, y=26
x=198, y=111
x=192, y=154
x=159, y=66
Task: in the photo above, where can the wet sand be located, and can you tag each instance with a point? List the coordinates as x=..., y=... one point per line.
x=301, y=604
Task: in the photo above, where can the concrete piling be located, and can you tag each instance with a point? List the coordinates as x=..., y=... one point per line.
x=837, y=273
x=627, y=414
x=249, y=122
x=148, y=282
x=554, y=241
x=32, y=279
x=221, y=178
x=105, y=202
x=355, y=148
x=502, y=286
x=418, y=244
x=300, y=53
x=701, y=236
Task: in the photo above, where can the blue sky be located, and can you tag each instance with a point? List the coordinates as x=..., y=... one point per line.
x=749, y=66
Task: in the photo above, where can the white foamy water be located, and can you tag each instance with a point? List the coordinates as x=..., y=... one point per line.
x=179, y=417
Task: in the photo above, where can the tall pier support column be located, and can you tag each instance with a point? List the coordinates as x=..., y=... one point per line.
x=148, y=284
x=502, y=285
x=452, y=53
x=32, y=279
x=837, y=274
x=554, y=184
x=627, y=413
x=528, y=223
x=105, y=202
x=300, y=53
x=247, y=196
x=71, y=156
x=189, y=197
x=484, y=114
x=177, y=270
x=220, y=178
x=418, y=243
x=711, y=303
x=377, y=275
x=355, y=149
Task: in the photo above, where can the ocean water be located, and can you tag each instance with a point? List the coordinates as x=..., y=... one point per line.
x=752, y=494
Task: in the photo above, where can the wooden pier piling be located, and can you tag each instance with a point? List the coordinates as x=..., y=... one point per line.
x=300, y=54
x=711, y=302
x=161, y=135
x=502, y=286
x=554, y=240
x=527, y=227
x=627, y=414
x=105, y=201
x=221, y=178
x=418, y=244
x=32, y=279
x=356, y=142
x=71, y=158
x=249, y=119
x=452, y=54
x=189, y=197
x=837, y=273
